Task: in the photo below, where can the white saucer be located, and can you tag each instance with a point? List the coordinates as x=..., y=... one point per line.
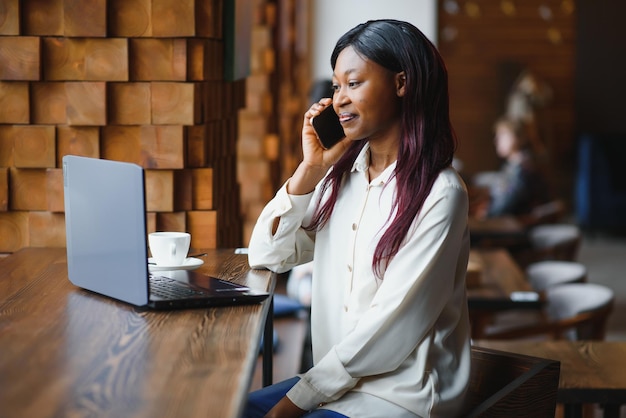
x=190, y=263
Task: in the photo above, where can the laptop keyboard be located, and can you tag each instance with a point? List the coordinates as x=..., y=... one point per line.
x=167, y=288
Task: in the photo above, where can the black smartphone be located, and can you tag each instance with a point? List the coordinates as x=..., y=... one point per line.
x=328, y=127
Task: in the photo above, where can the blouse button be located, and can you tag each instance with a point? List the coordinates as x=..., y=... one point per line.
x=354, y=226
x=349, y=268
x=345, y=308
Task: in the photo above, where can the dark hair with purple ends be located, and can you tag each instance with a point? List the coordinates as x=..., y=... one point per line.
x=427, y=142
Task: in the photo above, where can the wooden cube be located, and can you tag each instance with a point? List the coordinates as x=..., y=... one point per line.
x=46, y=229
x=172, y=103
x=77, y=140
x=121, y=143
x=196, y=59
x=129, y=103
x=162, y=146
x=48, y=103
x=159, y=190
x=173, y=18
x=202, y=188
x=54, y=190
x=34, y=146
x=151, y=222
x=205, y=59
x=10, y=21
x=14, y=231
x=196, y=146
x=91, y=59
x=209, y=17
x=63, y=59
x=86, y=103
x=42, y=17
x=6, y=146
x=158, y=59
x=27, y=189
x=106, y=59
x=80, y=19
x=19, y=58
x=183, y=190
x=212, y=93
x=14, y=102
x=171, y=221
x=130, y=18
x=202, y=225
x=4, y=189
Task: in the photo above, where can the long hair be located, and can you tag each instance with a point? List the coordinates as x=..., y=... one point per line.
x=427, y=140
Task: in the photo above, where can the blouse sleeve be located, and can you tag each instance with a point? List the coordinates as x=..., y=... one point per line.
x=291, y=244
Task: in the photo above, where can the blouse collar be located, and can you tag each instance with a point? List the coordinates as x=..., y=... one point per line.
x=362, y=162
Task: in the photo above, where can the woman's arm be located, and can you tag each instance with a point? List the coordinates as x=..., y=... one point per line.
x=278, y=241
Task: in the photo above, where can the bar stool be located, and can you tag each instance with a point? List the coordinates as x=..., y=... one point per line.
x=544, y=274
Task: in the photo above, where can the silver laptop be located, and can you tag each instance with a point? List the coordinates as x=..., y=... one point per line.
x=105, y=221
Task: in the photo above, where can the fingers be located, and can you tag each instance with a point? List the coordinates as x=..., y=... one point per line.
x=317, y=107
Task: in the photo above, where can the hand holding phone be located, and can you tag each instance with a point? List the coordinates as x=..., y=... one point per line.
x=328, y=127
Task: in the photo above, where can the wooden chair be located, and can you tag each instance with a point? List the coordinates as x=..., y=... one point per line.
x=550, y=242
x=504, y=384
x=555, y=241
x=546, y=213
x=574, y=311
x=544, y=274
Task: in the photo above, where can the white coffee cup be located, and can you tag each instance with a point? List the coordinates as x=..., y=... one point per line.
x=169, y=248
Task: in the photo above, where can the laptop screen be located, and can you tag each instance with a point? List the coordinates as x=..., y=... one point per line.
x=106, y=227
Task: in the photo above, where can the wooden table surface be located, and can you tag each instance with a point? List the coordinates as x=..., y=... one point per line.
x=68, y=352
x=501, y=280
x=500, y=231
x=591, y=371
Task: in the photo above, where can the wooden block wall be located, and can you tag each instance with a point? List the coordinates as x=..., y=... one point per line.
x=275, y=103
x=254, y=164
x=138, y=81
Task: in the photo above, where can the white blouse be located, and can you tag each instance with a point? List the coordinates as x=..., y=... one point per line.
x=396, y=347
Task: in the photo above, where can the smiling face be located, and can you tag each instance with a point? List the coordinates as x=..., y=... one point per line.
x=367, y=97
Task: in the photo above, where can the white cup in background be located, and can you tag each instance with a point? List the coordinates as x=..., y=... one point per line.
x=169, y=248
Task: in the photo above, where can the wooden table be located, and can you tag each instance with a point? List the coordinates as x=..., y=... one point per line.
x=500, y=231
x=68, y=352
x=592, y=372
x=503, y=286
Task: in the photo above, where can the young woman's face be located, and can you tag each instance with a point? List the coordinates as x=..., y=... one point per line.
x=366, y=97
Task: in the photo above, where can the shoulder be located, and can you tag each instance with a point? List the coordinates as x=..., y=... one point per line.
x=449, y=180
x=449, y=190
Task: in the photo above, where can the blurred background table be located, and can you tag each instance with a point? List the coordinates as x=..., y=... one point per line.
x=501, y=285
x=501, y=231
x=592, y=372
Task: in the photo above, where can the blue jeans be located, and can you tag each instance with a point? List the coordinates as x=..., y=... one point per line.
x=261, y=401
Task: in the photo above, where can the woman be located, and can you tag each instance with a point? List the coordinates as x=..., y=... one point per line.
x=519, y=186
x=383, y=216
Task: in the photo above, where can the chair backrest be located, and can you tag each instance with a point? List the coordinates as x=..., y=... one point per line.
x=504, y=384
x=546, y=213
x=548, y=273
x=580, y=310
x=576, y=311
x=555, y=241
